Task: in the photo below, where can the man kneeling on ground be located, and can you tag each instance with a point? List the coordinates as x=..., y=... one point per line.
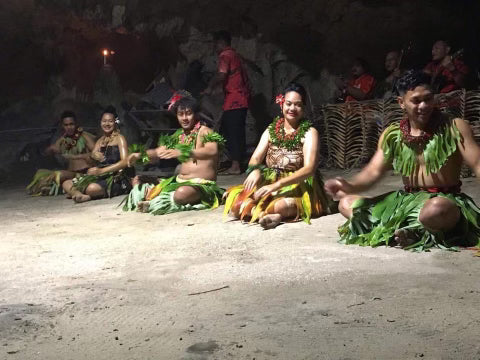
x=197, y=147
x=427, y=148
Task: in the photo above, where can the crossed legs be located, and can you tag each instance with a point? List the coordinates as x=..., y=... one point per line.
x=438, y=214
x=182, y=196
x=93, y=191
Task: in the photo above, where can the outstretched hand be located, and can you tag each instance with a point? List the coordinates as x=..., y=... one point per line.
x=337, y=188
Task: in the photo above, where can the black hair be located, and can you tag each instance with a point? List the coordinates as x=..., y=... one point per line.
x=68, y=114
x=445, y=41
x=110, y=109
x=363, y=63
x=186, y=102
x=222, y=35
x=410, y=80
x=298, y=88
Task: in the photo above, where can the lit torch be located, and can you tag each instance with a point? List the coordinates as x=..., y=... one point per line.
x=105, y=53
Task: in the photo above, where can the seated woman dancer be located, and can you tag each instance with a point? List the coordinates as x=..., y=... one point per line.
x=74, y=146
x=288, y=187
x=109, y=178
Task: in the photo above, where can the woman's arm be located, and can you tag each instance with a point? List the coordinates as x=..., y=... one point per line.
x=257, y=159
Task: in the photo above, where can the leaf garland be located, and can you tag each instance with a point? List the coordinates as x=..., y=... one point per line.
x=139, y=148
x=214, y=137
x=436, y=152
x=291, y=141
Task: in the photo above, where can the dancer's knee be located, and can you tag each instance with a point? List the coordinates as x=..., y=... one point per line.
x=345, y=205
x=439, y=214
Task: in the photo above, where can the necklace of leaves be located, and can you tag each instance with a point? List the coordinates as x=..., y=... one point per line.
x=291, y=141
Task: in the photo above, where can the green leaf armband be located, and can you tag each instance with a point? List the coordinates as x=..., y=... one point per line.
x=255, y=167
x=186, y=152
x=214, y=137
x=139, y=148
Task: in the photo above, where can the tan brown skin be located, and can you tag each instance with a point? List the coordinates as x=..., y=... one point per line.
x=95, y=191
x=418, y=105
x=75, y=162
x=202, y=164
x=293, y=111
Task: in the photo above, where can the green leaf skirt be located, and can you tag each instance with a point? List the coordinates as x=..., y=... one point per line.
x=310, y=198
x=161, y=196
x=376, y=219
x=45, y=182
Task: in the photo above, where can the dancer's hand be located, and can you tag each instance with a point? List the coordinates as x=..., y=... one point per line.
x=94, y=171
x=337, y=188
x=169, y=154
x=160, y=151
x=252, y=179
x=132, y=159
x=98, y=156
x=265, y=191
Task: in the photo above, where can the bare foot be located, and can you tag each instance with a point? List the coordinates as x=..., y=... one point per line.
x=404, y=237
x=80, y=198
x=143, y=206
x=270, y=221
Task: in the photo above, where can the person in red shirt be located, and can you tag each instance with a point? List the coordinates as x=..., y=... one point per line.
x=360, y=86
x=447, y=73
x=233, y=77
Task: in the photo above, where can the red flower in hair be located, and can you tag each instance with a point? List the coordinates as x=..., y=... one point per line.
x=173, y=100
x=280, y=99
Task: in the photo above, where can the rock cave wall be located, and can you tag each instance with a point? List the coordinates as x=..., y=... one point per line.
x=52, y=50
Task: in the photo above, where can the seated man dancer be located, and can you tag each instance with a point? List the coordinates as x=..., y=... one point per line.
x=427, y=149
x=196, y=147
x=75, y=146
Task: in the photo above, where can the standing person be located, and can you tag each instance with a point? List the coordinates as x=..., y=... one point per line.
x=75, y=146
x=447, y=72
x=233, y=77
x=427, y=148
x=283, y=182
x=197, y=147
x=361, y=84
x=108, y=178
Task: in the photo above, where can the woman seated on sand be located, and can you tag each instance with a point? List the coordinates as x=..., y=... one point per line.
x=288, y=186
x=109, y=178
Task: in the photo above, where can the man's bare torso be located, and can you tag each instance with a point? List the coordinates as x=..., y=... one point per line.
x=204, y=169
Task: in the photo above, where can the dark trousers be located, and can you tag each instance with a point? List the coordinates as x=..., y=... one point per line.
x=232, y=127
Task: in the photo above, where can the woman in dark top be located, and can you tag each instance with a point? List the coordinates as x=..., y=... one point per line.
x=109, y=178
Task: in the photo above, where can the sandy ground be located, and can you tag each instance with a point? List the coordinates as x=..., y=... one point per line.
x=91, y=282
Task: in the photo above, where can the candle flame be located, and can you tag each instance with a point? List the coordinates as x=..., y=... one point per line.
x=105, y=52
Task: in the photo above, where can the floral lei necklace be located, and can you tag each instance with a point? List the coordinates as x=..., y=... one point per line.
x=71, y=141
x=190, y=138
x=291, y=141
x=409, y=139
